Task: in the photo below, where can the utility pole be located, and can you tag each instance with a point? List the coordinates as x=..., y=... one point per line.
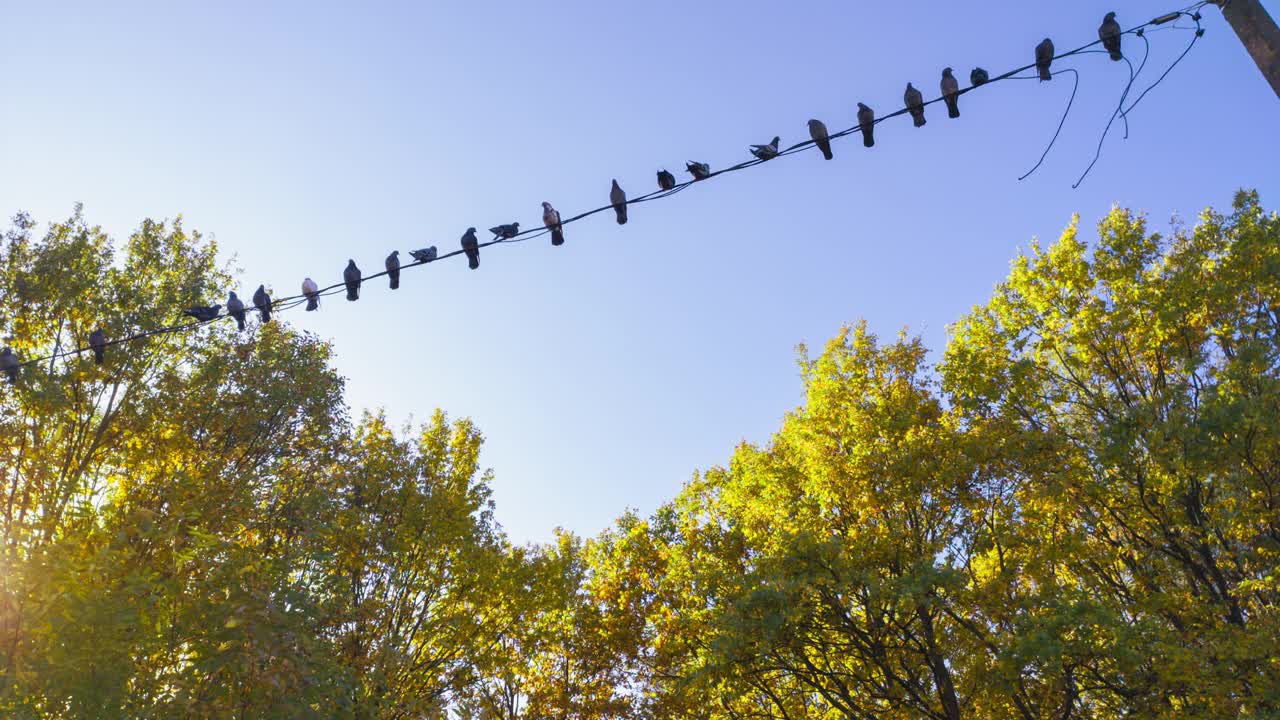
x=1259, y=34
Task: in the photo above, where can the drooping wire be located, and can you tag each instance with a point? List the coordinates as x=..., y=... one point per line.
x=293, y=301
x=1074, y=87
x=1199, y=33
x=1119, y=105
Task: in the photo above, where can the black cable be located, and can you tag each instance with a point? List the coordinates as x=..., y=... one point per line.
x=1074, y=87
x=292, y=301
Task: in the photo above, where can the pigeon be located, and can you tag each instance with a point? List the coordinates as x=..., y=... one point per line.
x=235, y=308
x=98, y=341
x=818, y=132
x=1044, y=56
x=915, y=104
x=471, y=246
x=392, y=264
x=424, y=255
x=262, y=301
x=203, y=313
x=551, y=218
x=618, y=199
x=767, y=152
x=699, y=170
x=505, y=232
x=312, y=292
x=351, y=276
x=666, y=180
x=9, y=363
x=1110, y=35
x=951, y=93
x=978, y=76
x=867, y=121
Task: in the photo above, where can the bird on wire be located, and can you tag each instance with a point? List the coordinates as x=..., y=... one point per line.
x=551, y=218
x=867, y=123
x=978, y=77
x=1044, y=58
x=915, y=105
x=699, y=170
x=951, y=93
x=203, y=313
x=666, y=181
x=1110, y=34
x=618, y=199
x=818, y=133
x=351, y=278
x=505, y=232
x=392, y=264
x=767, y=152
x=98, y=343
x=10, y=365
x=235, y=308
x=424, y=255
x=262, y=301
x=311, y=291
x=471, y=246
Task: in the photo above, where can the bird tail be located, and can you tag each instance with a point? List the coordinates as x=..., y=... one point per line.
x=622, y=213
x=353, y=294
x=953, y=106
x=473, y=260
x=918, y=117
x=266, y=315
x=99, y=356
x=557, y=236
x=313, y=302
x=868, y=137
x=1045, y=74
x=825, y=147
x=1117, y=55
x=240, y=321
x=395, y=282
x=13, y=375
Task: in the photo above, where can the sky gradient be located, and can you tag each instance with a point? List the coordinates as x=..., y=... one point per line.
x=605, y=372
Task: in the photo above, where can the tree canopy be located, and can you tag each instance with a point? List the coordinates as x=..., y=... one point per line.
x=1073, y=510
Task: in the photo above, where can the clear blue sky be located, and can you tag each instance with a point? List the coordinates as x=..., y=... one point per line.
x=603, y=373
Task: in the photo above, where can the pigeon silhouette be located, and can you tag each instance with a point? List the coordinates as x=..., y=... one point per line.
x=98, y=342
x=392, y=263
x=10, y=365
x=767, y=152
x=235, y=308
x=351, y=277
x=1044, y=58
x=471, y=246
x=666, y=180
x=1109, y=33
x=951, y=93
x=818, y=131
x=699, y=170
x=262, y=301
x=551, y=218
x=424, y=255
x=978, y=76
x=203, y=313
x=505, y=232
x=915, y=105
x=867, y=123
x=618, y=199
x=312, y=293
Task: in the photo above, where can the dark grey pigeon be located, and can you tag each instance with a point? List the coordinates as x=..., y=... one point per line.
x=262, y=301
x=351, y=277
x=951, y=93
x=867, y=123
x=551, y=218
x=392, y=264
x=312, y=292
x=666, y=180
x=915, y=105
x=203, y=313
x=767, y=152
x=1110, y=33
x=424, y=255
x=10, y=365
x=505, y=232
x=699, y=170
x=1044, y=58
x=618, y=199
x=471, y=246
x=818, y=131
x=235, y=308
x=978, y=76
x=98, y=342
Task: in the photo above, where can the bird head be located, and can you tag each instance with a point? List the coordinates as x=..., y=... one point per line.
x=546, y=205
x=262, y=288
x=776, y=139
x=946, y=72
x=1110, y=16
x=6, y=351
x=395, y=253
x=350, y=262
x=471, y=230
x=233, y=294
x=862, y=106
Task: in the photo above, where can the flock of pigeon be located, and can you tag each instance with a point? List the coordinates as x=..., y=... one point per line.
x=1109, y=33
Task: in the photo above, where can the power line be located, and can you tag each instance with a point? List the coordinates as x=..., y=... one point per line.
x=292, y=301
